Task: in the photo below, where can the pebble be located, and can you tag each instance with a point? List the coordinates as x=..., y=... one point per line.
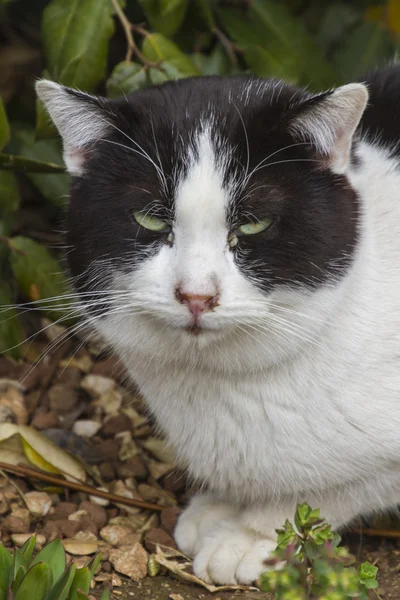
x=13, y=400
x=97, y=513
x=169, y=517
x=19, y=539
x=38, y=503
x=159, y=449
x=119, y=535
x=80, y=547
x=62, y=399
x=132, y=563
x=116, y=424
x=97, y=385
x=86, y=428
x=14, y=524
x=158, y=536
x=45, y=420
x=107, y=472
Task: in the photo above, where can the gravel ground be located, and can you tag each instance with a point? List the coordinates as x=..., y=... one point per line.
x=80, y=399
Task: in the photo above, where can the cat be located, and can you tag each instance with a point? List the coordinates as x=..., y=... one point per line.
x=236, y=241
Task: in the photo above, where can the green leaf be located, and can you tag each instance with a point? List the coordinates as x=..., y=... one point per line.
x=62, y=588
x=11, y=162
x=105, y=595
x=9, y=193
x=11, y=334
x=215, y=63
x=4, y=126
x=18, y=577
x=94, y=563
x=36, y=583
x=52, y=554
x=127, y=77
x=81, y=596
x=271, y=26
x=367, y=571
x=81, y=582
x=271, y=63
x=28, y=548
x=76, y=35
x=368, y=46
x=175, y=65
x=165, y=16
x=53, y=187
x=6, y=561
x=40, y=276
x=18, y=561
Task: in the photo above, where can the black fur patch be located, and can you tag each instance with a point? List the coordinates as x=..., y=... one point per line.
x=315, y=212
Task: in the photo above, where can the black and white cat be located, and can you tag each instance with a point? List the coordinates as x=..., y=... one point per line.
x=237, y=242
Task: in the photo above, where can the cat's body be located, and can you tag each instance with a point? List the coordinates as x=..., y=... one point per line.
x=271, y=363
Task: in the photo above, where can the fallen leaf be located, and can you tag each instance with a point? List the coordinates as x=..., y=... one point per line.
x=179, y=570
x=23, y=444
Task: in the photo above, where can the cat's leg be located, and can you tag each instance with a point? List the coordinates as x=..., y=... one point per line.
x=201, y=516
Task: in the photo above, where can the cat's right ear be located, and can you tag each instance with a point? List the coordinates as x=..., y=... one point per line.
x=81, y=120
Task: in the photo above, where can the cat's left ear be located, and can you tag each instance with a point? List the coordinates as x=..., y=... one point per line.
x=329, y=122
x=81, y=120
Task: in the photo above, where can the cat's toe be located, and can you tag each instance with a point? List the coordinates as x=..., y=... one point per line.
x=252, y=564
x=221, y=553
x=195, y=523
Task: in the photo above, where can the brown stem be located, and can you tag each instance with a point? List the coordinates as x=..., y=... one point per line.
x=386, y=533
x=11, y=162
x=227, y=44
x=130, y=41
x=28, y=473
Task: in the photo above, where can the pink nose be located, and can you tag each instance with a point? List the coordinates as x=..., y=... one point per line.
x=197, y=304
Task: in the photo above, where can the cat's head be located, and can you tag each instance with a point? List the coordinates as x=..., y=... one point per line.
x=206, y=205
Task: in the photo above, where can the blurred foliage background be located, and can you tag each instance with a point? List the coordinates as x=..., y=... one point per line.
x=114, y=47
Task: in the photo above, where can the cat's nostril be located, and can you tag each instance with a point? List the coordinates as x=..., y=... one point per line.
x=196, y=303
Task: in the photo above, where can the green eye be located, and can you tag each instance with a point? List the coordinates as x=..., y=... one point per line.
x=149, y=222
x=252, y=228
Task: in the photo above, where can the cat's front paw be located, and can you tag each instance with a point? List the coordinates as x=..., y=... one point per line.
x=197, y=520
x=232, y=554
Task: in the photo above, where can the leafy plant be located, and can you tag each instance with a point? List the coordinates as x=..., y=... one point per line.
x=115, y=47
x=45, y=576
x=315, y=566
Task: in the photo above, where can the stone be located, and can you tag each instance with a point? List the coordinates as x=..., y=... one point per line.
x=158, y=536
x=13, y=400
x=108, y=449
x=19, y=539
x=97, y=513
x=132, y=563
x=153, y=494
x=107, y=472
x=46, y=420
x=62, y=399
x=169, y=517
x=134, y=467
x=14, y=524
x=159, y=469
x=86, y=427
x=63, y=510
x=38, y=503
x=116, y=424
x=97, y=385
x=159, y=449
x=119, y=535
x=80, y=547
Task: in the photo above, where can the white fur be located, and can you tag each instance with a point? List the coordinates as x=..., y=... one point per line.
x=283, y=398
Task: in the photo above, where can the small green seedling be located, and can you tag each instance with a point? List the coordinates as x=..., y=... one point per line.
x=45, y=576
x=310, y=564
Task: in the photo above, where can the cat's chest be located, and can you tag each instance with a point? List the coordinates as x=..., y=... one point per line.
x=254, y=433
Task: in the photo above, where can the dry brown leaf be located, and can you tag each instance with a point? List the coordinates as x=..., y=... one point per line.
x=23, y=444
x=163, y=557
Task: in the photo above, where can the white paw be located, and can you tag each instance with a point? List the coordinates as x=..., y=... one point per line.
x=232, y=554
x=197, y=520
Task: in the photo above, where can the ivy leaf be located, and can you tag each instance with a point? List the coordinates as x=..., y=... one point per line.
x=40, y=276
x=53, y=188
x=11, y=332
x=271, y=26
x=165, y=16
x=368, y=46
x=4, y=126
x=127, y=77
x=76, y=35
x=175, y=65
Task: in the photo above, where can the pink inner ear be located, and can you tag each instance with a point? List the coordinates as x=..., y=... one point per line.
x=76, y=158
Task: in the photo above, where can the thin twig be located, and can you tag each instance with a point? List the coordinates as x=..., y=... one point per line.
x=227, y=44
x=386, y=533
x=30, y=473
x=130, y=41
x=10, y=162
